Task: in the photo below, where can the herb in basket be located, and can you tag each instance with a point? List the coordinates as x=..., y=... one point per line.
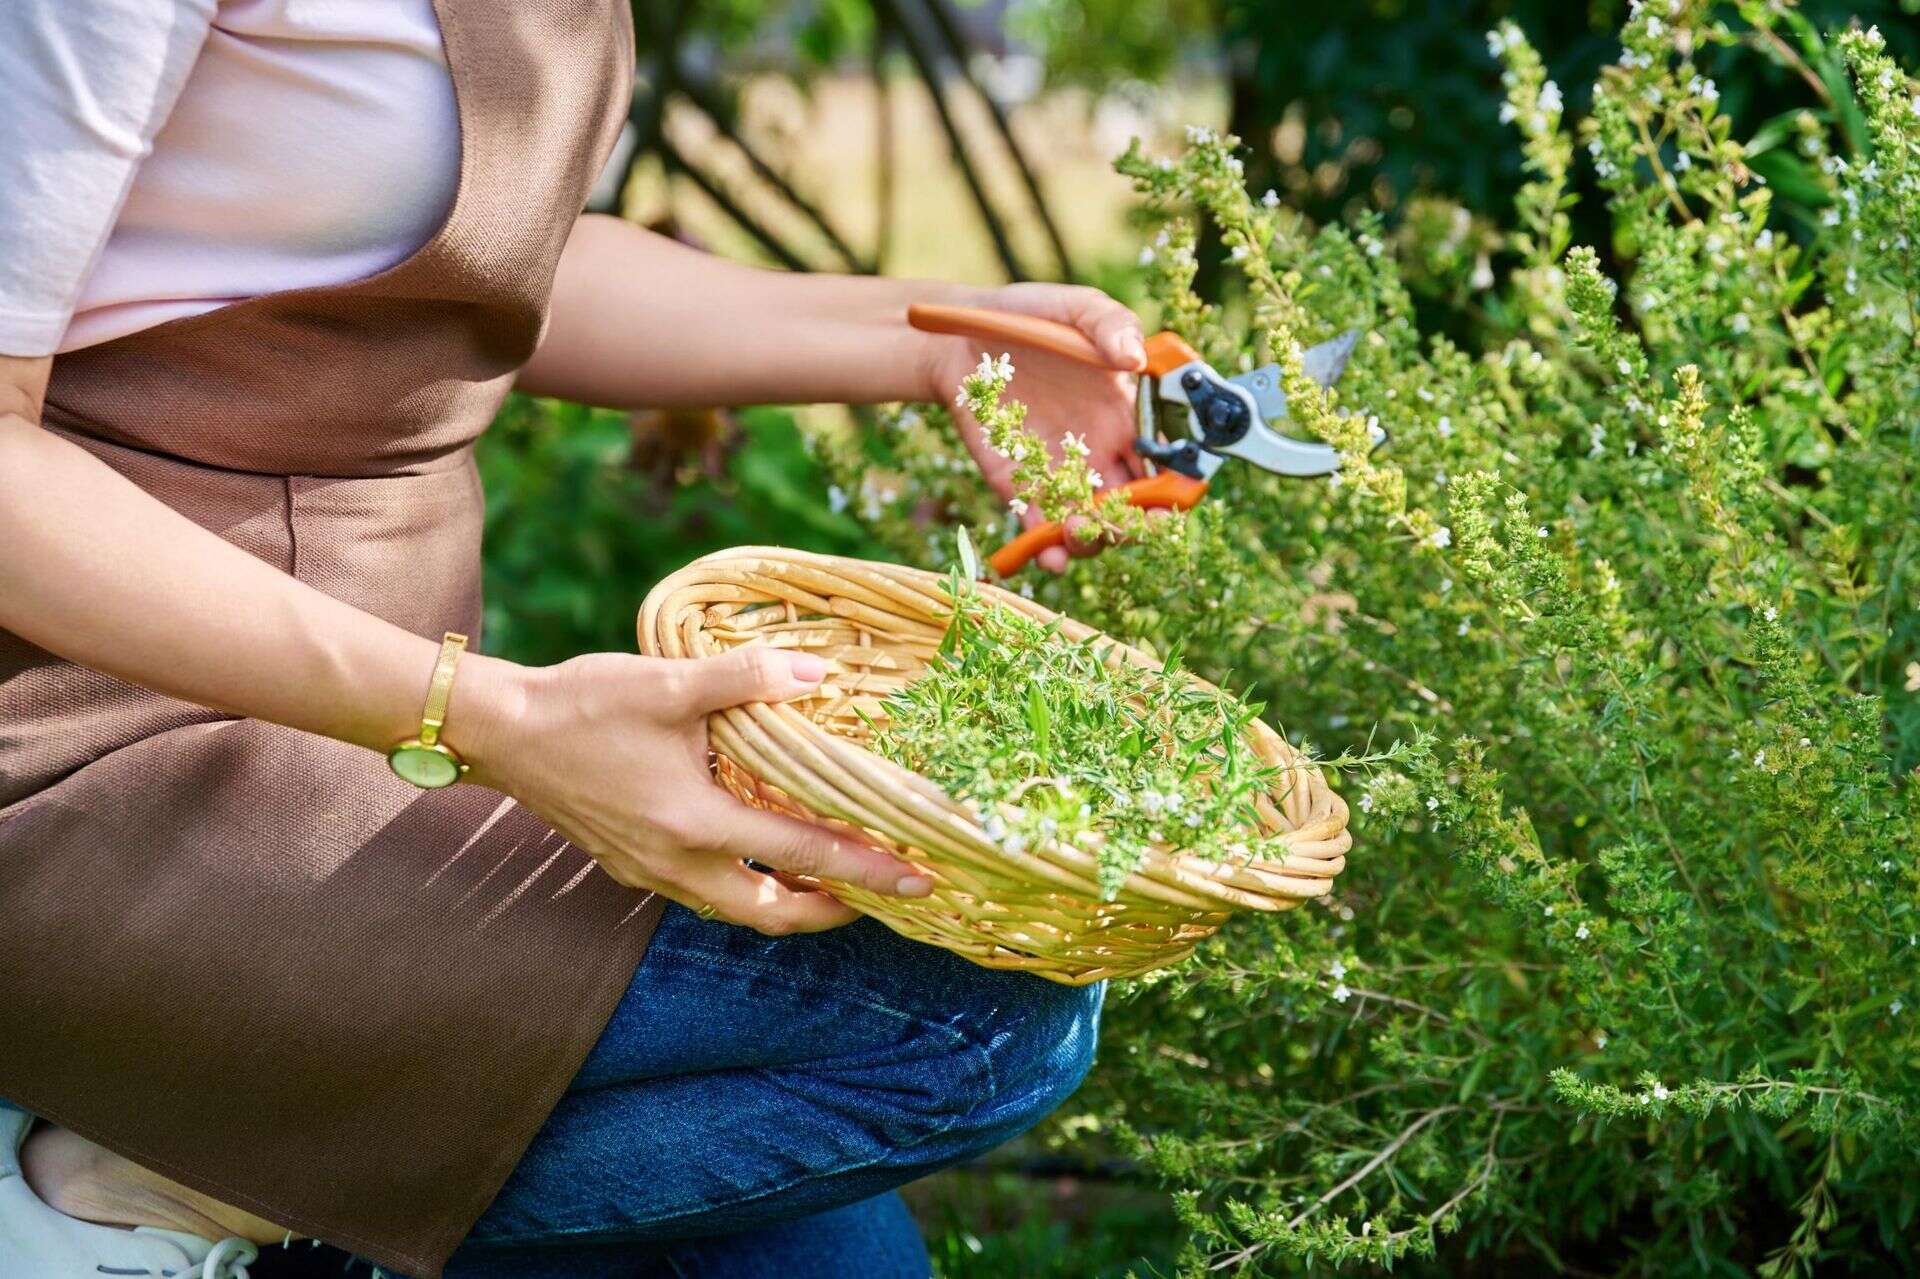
x=1051, y=738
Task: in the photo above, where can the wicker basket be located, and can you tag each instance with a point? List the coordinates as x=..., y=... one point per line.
x=1037, y=910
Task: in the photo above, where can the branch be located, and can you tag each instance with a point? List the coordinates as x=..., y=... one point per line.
x=949, y=29
x=927, y=65
x=703, y=96
x=767, y=240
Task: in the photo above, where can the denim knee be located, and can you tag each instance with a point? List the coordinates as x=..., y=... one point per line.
x=1039, y=1044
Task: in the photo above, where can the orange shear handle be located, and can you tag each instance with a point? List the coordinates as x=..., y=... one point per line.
x=1169, y=490
x=1165, y=351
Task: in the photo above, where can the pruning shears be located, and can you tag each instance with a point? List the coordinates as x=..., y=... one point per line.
x=1227, y=417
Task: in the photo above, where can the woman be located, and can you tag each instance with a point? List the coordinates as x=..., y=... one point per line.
x=267, y=268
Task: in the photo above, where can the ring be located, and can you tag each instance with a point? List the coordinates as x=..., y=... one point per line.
x=707, y=911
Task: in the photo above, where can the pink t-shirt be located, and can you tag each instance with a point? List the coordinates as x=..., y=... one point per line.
x=162, y=158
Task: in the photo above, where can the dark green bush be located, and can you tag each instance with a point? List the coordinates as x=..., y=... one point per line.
x=1621, y=977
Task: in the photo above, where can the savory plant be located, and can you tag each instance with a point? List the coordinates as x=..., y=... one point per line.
x=1622, y=976
x=1056, y=739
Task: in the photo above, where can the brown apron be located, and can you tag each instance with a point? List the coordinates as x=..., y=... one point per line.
x=247, y=957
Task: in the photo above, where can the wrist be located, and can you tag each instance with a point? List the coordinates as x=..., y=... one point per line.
x=487, y=717
x=940, y=360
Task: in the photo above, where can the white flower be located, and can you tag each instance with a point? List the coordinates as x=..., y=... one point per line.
x=1508, y=113
x=1682, y=162
x=1445, y=427
x=1543, y=531
x=1760, y=759
x=1074, y=445
x=1770, y=613
x=1463, y=628
x=1600, y=1040
x=1708, y=91
x=1581, y=933
x=1199, y=134
x=1441, y=538
x=836, y=498
x=1626, y=369
x=1341, y=994
x=1146, y=256
x=1893, y=1009
x=1271, y=199
x=1433, y=803
x=1337, y=969
x=1446, y=584
x=1238, y=253
x=1740, y=323
x=1366, y=802
x=1660, y=1092
x=1550, y=96
x=1018, y=505
x=1655, y=27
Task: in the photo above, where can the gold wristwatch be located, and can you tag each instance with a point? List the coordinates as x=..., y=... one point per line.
x=426, y=761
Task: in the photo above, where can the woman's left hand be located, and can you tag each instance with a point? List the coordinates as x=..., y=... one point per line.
x=1061, y=395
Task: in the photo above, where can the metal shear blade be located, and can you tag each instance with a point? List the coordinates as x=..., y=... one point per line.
x=1260, y=390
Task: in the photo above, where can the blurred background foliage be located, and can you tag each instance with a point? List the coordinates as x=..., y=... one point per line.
x=924, y=137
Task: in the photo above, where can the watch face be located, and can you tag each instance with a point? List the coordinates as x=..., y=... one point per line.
x=425, y=767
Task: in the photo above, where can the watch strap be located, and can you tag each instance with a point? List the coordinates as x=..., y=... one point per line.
x=433, y=717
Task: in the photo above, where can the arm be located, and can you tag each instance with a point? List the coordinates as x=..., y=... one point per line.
x=638, y=319
x=609, y=748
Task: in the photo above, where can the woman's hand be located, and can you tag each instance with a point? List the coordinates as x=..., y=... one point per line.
x=1061, y=395
x=611, y=750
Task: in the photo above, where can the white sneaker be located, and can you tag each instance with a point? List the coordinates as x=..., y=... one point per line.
x=38, y=1243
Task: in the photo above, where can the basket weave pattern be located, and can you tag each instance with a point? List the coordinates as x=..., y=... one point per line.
x=1039, y=910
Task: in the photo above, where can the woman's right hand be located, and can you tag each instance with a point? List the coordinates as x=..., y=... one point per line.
x=611, y=750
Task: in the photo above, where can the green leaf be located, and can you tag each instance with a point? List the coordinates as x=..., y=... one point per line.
x=969, y=561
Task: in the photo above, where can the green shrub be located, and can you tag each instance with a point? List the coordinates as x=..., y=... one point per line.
x=577, y=532
x=1621, y=975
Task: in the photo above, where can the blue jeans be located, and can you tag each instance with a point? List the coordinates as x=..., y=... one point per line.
x=754, y=1101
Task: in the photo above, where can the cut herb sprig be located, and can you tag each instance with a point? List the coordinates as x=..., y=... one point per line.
x=1050, y=738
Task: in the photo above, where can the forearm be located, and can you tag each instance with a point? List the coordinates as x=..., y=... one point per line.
x=641, y=320
x=95, y=570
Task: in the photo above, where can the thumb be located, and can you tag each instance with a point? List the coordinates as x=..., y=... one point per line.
x=751, y=673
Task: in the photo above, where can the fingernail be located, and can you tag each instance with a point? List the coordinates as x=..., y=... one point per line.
x=1136, y=351
x=913, y=886
x=807, y=666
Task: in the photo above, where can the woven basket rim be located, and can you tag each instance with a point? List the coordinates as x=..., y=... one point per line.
x=1313, y=821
